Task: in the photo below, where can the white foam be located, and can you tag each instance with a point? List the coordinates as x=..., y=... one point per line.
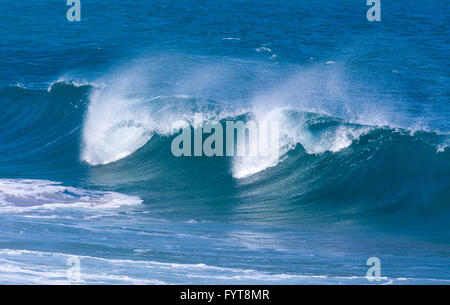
x=293, y=132
x=263, y=49
x=333, y=140
x=441, y=148
x=249, y=165
x=39, y=267
x=19, y=85
x=68, y=80
x=117, y=125
x=114, y=128
x=20, y=195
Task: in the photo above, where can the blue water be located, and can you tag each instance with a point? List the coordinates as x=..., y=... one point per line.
x=86, y=169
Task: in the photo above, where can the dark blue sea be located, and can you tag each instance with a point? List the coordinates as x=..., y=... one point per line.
x=89, y=186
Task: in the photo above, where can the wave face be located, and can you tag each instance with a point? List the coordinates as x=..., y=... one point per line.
x=328, y=170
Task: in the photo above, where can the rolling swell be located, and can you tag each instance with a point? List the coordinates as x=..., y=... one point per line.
x=41, y=128
x=330, y=170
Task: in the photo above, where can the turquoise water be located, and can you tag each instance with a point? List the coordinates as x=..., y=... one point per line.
x=86, y=169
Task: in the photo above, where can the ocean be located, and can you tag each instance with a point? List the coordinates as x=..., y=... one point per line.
x=91, y=193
